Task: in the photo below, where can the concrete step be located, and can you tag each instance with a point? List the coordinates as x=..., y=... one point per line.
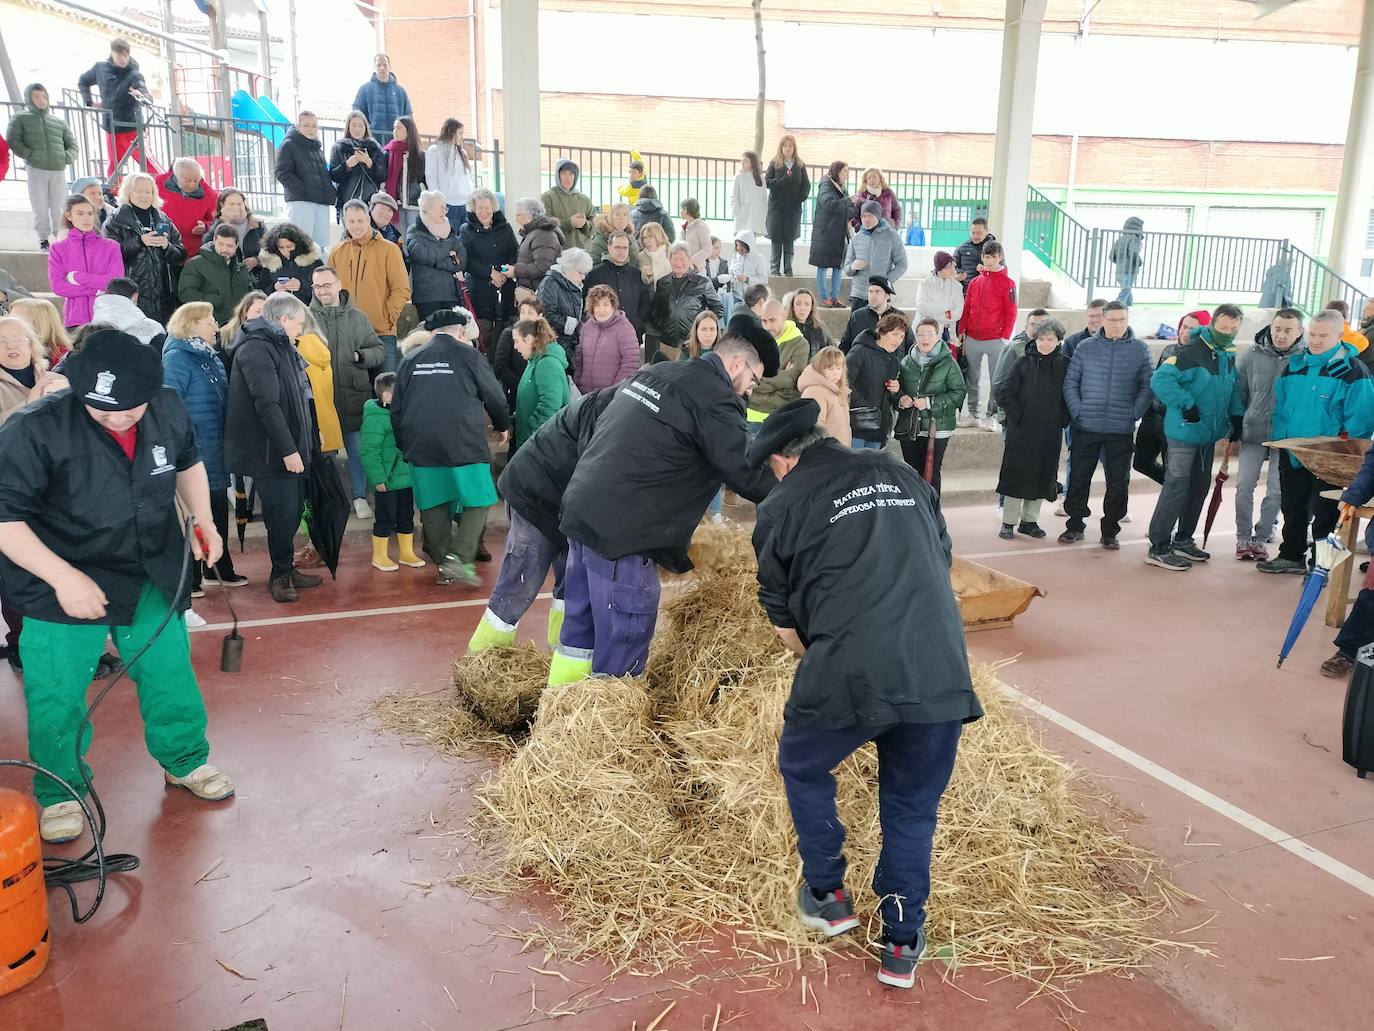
x=29, y=267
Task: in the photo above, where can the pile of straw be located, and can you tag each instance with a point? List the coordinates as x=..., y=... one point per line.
x=658, y=818
x=653, y=813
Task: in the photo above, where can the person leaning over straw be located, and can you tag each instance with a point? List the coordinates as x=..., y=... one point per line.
x=854, y=576
x=90, y=545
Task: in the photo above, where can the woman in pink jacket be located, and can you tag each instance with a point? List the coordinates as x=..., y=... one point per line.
x=82, y=263
x=607, y=347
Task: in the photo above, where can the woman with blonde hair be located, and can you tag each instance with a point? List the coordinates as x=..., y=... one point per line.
x=149, y=243
x=826, y=381
x=191, y=366
x=615, y=220
x=24, y=374
x=873, y=187
x=653, y=254
x=788, y=187
x=41, y=314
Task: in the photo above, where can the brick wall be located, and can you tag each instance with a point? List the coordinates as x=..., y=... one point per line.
x=723, y=128
x=429, y=42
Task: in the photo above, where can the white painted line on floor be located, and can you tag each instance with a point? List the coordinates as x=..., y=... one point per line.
x=1069, y=549
x=1288, y=842
x=321, y=617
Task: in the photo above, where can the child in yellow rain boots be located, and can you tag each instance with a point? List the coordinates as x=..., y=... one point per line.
x=394, y=505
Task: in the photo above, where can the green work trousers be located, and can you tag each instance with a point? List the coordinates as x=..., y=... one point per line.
x=59, y=662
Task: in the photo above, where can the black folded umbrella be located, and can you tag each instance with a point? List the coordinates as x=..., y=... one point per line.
x=326, y=509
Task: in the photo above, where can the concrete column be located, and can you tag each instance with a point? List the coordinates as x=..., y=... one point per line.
x=1357, y=167
x=1015, y=108
x=520, y=99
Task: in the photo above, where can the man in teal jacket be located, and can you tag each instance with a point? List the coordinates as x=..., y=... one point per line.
x=1325, y=391
x=1201, y=395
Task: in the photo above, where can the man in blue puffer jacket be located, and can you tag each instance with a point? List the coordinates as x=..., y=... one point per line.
x=1200, y=392
x=382, y=99
x=1107, y=390
x=1325, y=391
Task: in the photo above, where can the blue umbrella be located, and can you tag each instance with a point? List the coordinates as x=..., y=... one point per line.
x=1330, y=553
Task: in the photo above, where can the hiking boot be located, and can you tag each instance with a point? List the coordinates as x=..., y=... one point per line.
x=1282, y=565
x=1111, y=544
x=1190, y=551
x=299, y=579
x=1337, y=667
x=1008, y=532
x=281, y=590
x=832, y=914
x=307, y=557
x=1165, y=558
x=1070, y=536
x=898, y=966
x=1032, y=530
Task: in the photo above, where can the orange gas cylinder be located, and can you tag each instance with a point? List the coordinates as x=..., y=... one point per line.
x=23, y=895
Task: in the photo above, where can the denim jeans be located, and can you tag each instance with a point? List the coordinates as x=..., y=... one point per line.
x=1252, y=459
x=314, y=219
x=833, y=293
x=718, y=502
x=915, y=761
x=457, y=215
x=859, y=444
x=1187, y=472
x=529, y=554
x=611, y=607
x=391, y=355
x=357, y=479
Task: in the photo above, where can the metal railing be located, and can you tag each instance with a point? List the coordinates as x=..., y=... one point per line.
x=232, y=151
x=944, y=203
x=1234, y=267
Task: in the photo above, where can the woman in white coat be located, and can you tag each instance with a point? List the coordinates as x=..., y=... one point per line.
x=941, y=296
x=749, y=197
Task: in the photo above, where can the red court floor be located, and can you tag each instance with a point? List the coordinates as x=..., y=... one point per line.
x=320, y=884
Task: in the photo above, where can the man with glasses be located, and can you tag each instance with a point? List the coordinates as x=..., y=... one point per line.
x=672, y=435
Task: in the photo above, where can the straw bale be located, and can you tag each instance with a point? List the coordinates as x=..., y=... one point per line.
x=501, y=686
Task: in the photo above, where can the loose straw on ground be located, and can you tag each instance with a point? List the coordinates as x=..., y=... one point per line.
x=653, y=812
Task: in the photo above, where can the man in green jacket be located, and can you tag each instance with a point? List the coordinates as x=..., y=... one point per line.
x=1324, y=391
x=572, y=208
x=354, y=348
x=794, y=352
x=216, y=276
x=47, y=145
x=1201, y=396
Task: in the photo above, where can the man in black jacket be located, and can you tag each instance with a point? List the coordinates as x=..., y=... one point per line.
x=269, y=434
x=91, y=546
x=532, y=484
x=854, y=567
x=880, y=294
x=120, y=84
x=670, y=436
x=968, y=256
x=678, y=299
x=625, y=279
x=304, y=175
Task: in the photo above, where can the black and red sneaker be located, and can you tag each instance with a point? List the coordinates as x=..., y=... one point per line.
x=898, y=967
x=832, y=914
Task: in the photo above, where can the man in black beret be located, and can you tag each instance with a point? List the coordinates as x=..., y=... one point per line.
x=90, y=546
x=664, y=445
x=854, y=576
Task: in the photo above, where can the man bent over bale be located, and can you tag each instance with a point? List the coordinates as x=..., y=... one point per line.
x=854, y=576
x=662, y=448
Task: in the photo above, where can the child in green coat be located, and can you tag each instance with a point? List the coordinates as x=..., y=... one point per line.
x=393, y=511
x=543, y=388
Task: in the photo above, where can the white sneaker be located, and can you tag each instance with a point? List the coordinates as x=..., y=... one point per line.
x=1126, y=518
x=61, y=823
x=361, y=508
x=965, y=421
x=1059, y=509
x=991, y=425
x=194, y=618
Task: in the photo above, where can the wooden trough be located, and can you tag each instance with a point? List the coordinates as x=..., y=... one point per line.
x=989, y=599
x=1331, y=459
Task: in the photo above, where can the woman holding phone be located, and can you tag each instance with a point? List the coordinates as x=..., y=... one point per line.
x=151, y=246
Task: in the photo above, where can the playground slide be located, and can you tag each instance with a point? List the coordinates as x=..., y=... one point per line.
x=259, y=116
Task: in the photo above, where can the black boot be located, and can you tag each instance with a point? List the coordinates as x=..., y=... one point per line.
x=1007, y=532
x=1031, y=530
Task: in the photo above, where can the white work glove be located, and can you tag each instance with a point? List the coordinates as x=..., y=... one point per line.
x=570, y=325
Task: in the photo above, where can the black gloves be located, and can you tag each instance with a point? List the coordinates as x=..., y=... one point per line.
x=1192, y=414
x=1237, y=424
